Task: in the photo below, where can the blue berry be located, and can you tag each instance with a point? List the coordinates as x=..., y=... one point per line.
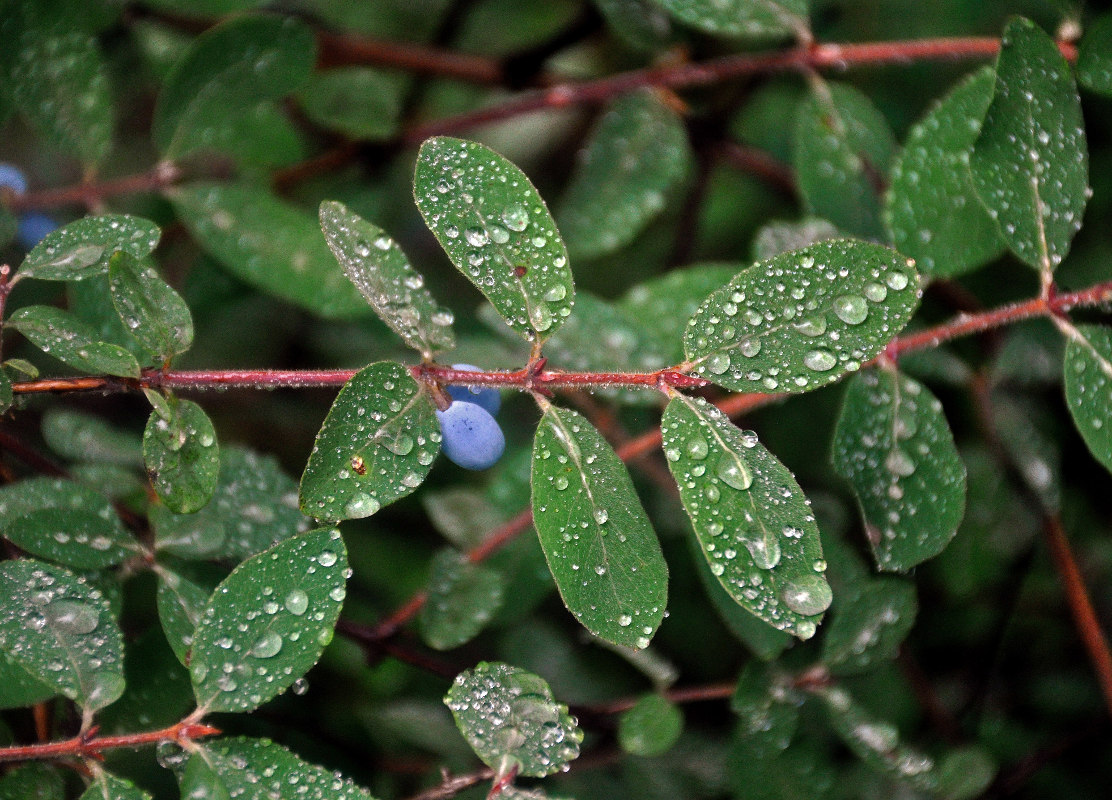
x=13, y=177
x=472, y=438
x=490, y=399
x=33, y=228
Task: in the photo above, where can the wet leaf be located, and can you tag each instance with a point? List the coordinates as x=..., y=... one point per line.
x=598, y=541
x=358, y=102
x=71, y=341
x=106, y=786
x=19, y=689
x=1094, y=56
x=803, y=319
x=7, y=396
x=462, y=598
x=1087, y=374
x=152, y=311
x=780, y=237
x=740, y=17
x=268, y=622
x=641, y=24
x=181, y=601
x=82, y=248
x=868, y=623
x=894, y=445
x=498, y=232
x=377, y=444
x=182, y=455
x=767, y=708
x=753, y=522
x=651, y=727
x=80, y=436
x=33, y=782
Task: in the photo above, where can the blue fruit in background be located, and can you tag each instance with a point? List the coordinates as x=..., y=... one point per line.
x=13, y=177
x=488, y=398
x=472, y=438
x=33, y=228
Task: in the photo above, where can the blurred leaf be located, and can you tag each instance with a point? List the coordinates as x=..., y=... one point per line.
x=376, y=445
x=204, y=8
x=768, y=709
x=497, y=231
x=19, y=689
x=1030, y=163
x=7, y=397
x=181, y=601
x=638, y=23
x=752, y=519
x=651, y=727
x=964, y=773
x=740, y=17
x=803, y=319
x=80, y=436
x=463, y=516
x=358, y=102
x=268, y=622
x=71, y=341
x=780, y=237
x=1086, y=373
x=462, y=597
x=598, y=541
x=1031, y=437
x=158, y=689
x=182, y=455
x=33, y=782
x=109, y=787
x=200, y=779
x=868, y=623
x=154, y=313
x=1094, y=56
x=82, y=248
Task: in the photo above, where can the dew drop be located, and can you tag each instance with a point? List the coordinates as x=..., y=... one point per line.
x=556, y=293
x=896, y=280
x=807, y=595
x=733, y=472
x=820, y=360
x=516, y=218
x=625, y=620
x=750, y=347
x=851, y=309
x=811, y=326
x=327, y=558
x=697, y=447
x=297, y=602
x=267, y=646
x=765, y=551
x=876, y=292
x=476, y=237
x=899, y=463
x=72, y=617
x=601, y=515
x=718, y=363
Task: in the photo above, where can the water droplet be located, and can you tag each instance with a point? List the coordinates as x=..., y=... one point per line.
x=750, y=347
x=297, y=602
x=807, y=595
x=625, y=620
x=72, y=617
x=560, y=483
x=361, y=506
x=540, y=317
x=267, y=646
x=876, y=292
x=516, y=218
x=896, y=280
x=899, y=463
x=476, y=237
x=734, y=473
x=696, y=447
x=499, y=235
x=820, y=360
x=718, y=363
x=556, y=293
x=601, y=515
x=765, y=551
x=327, y=558
x=811, y=326
x=400, y=445
x=851, y=309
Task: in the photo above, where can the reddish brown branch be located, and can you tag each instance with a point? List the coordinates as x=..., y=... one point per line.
x=92, y=746
x=343, y=49
x=93, y=194
x=687, y=694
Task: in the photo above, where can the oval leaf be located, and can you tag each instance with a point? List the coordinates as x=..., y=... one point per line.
x=497, y=230
x=868, y=624
x=803, y=319
x=753, y=522
x=461, y=599
x=651, y=727
x=181, y=454
x=598, y=541
x=181, y=601
x=1087, y=375
x=268, y=622
x=740, y=17
x=80, y=436
x=72, y=341
x=82, y=248
x=358, y=102
x=153, y=312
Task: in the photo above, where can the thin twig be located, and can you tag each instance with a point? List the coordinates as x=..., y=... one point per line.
x=92, y=746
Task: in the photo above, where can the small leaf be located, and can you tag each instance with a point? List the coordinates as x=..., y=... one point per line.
x=63, y=521
x=181, y=601
x=740, y=17
x=71, y=341
x=81, y=436
x=496, y=229
x=33, y=782
x=61, y=630
x=268, y=622
x=780, y=237
x=932, y=210
x=767, y=708
x=803, y=319
x=510, y=718
x=377, y=444
x=462, y=598
x=1030, y=164
x=1087, y=375
x=375, y=263
x=752, y=519
x=153, y=312
x=269, y=244
x=634, y=157
x=228, y=68
x=894, y=445
x=109, y=787
x=1094, y=56
x=182, y=456
x=82, y=248
x=868, y=623
x=651, y=727
x=358, y=102
x=598, y=541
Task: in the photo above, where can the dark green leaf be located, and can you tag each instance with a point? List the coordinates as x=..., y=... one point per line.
x=780, y=237
x=199, y=779
x=268, y=622
x=377, y=444
x=204, y=8
x=894, y=445
x=965, y=773
x=109, y=787
x=1094, y=56
x=752, y=519
x=651, y=727
x=767, y=707
x=1087, y=375
x=19, y=689
x=7, y=397
x=182, y=456
x=803, y=319
x=80, y=436
x=82, y=248
x=181, y=601
x=741, y=17
x=463, y=516
x=154, y=313
x=33, y=782
x=461, y=599
x=158, y=689
x=868, y=623
x=1027, y=430
x=639, y=23
x=497, y=230
x=72, y=342
x=358, y=102
x=598, y=541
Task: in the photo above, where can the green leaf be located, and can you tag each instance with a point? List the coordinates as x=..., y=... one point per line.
x=894, y=445
x=269, y=244
x=7, y=396
x=81, y=436
x=497, y=230
x=780, y=237
x=510, y=718
x=158, y=694
x=1086, y=373
x=752, y=519
x=741, y=17
x=1031, y=163
x=598, y=541
x=204, y=8
x=19, y=689
x=651, y=727
x=153, y=312
x=82, y=248
x=461, y=599
x=199, y=779
x=635, y=156
x=868, y=623
x=376, y=445
x=63, y=521
x=931, y=209
x=71, y=341
x=61, y=630
x=803, y=319
x=375, y=263
x=109, y=787
x=843, y=148
x=33, y=782
x=181, y=601
x=358, y=102
x=641, y=24
x=182, y=456
x=268, y=622
x=1094, y=56
x=767, y=707
x=228, y=68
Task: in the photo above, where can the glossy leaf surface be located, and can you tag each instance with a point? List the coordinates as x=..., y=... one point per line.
x=81, y=436
x=153, y=312
x=740, y=17
x=82, y=248
x=182, y=455
x=1088, y=383
x=108, y=787
x=71, y=341
x=1094, y=56
x=181, y=601
x=359, y=102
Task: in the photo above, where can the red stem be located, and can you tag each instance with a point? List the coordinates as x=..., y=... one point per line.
x=92, y=746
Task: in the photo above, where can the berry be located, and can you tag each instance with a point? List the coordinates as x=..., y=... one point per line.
x=12, y=177
x=472, y=438
x=33, y=228
x=490, y=399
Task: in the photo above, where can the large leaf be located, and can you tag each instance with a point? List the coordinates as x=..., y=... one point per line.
x=268, y=622
x=803, y=319
x=498, y=232
x=461, y=599
x=598, y=541
x=753, y=522
x=153, y=312
x=181, y=454
x=82, y=248
x=740, y=17
x=894, y=445
x=1031, y=163
x=1087, y=377
x=72, y=342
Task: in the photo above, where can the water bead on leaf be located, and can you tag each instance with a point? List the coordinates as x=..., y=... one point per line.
x=472, y=438
x=490, y=399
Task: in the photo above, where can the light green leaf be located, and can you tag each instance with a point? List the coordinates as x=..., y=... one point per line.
x=635, y=156
x=510, y=718
x=741, y=17
x=377, y=444
x=931, y=209
x=803, y=319
x=82, y=248
x=868, y=623
x=358, y=102
x=182, y=456
x=152, y=311
x=461, y=599
x=269, y=244
x=894, y=445
x=780, y=237
x=1087, y=373
x=181, y=601
x=108, y=787
x=268, y=622
x=1094, y=56
x=227, y=69
x=497, y=230
x=1031, y=164
x=80, y=436
x=598, y=541
x=752, y=519
x=651, y=727
x=61, y=630
x=375, y=263
x=71, y=341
